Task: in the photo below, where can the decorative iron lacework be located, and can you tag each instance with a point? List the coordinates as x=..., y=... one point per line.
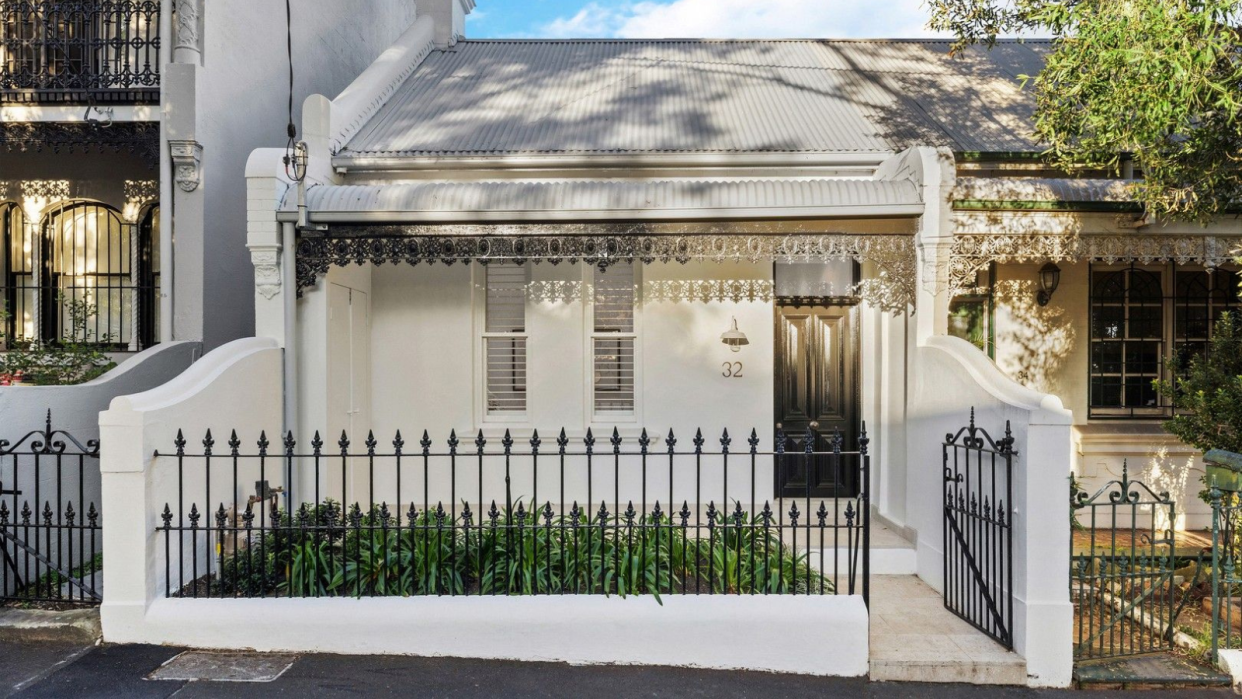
x=604, y=245
x=79, y=51
x=141, y=138
x=974, y=251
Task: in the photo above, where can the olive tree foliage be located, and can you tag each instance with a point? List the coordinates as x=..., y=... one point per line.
x=1159, y=81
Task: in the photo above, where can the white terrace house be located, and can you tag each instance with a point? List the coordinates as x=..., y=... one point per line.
x=124, y=130
x=498, y=238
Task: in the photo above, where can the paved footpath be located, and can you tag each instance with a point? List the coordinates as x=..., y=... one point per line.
x=35, y=670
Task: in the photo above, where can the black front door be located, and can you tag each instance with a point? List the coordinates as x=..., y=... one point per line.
x=816, y=351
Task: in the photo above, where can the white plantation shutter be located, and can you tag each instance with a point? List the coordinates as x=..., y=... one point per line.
x=613, y=340
x=504, y=339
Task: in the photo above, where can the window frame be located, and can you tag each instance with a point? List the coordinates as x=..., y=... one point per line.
x=608, y=419
x=1173, y=303
x=483, y=414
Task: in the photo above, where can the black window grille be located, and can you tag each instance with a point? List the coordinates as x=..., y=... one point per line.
x=73, y=277
x=1141, y=318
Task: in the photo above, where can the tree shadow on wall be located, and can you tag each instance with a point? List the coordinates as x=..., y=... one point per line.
x=1041, y=345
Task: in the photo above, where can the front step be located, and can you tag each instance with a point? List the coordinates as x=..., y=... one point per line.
x=949, y=672
x=915, y=639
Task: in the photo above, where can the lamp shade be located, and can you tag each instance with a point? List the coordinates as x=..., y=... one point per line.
x=1049, y=280
x=734, y=338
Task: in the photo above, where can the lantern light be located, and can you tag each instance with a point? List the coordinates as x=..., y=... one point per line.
x=1049, y=280
x=734, y=338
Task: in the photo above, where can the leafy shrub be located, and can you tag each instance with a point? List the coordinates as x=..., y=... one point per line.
x=322, y=551
x=73, y=360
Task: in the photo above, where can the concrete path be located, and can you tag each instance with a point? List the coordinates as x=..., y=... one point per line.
x=914, y=638
x=121, y=671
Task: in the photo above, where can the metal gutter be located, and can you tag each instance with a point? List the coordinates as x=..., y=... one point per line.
x=588, y=161
x=563, y=216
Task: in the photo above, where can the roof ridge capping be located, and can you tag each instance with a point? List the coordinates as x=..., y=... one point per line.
x=361, y=99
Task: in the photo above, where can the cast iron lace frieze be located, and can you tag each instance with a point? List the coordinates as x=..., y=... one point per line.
x=974, y=251
x=603, y=245
x=141, y=138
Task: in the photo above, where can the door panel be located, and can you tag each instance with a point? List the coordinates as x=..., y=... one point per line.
x=816, y=351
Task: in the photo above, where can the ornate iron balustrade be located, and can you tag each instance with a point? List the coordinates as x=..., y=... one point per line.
x=632, y=517
x=84, y=52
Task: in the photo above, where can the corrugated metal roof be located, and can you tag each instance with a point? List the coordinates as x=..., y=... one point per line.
x=705, y=96
x=1041, y=189
x=615, y=198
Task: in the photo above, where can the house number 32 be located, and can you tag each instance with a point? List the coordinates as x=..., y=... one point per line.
x=732, y=370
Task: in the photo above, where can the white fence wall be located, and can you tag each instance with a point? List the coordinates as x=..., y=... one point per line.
x=237, y=385
x=948, y=377
x=240, y=384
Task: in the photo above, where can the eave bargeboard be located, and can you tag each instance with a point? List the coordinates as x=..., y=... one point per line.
x=604, y=244
x=972, y=252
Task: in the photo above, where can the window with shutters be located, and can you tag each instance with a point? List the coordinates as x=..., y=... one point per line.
x=504, y=340
x=613, y=342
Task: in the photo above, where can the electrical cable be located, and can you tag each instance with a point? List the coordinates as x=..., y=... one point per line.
x=291, y=129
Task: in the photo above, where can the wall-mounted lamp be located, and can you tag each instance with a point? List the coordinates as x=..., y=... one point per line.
x=1049, y=280
x=734, y=338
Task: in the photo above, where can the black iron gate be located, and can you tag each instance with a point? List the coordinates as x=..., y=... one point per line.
x=978, y=529
x=50, y=536
x=1123, y=578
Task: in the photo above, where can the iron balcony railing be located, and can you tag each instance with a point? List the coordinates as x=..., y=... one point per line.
x=627, y=517
x=80, y=52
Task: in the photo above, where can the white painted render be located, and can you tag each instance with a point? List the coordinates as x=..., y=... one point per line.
x=238, y=97
x=236, y=386
x=816, y=635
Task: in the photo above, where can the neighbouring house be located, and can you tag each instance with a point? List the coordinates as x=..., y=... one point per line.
x=124, y=133
x=513, y=280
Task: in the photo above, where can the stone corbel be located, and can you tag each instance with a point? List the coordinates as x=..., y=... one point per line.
x=187, y=158
x=267, y=280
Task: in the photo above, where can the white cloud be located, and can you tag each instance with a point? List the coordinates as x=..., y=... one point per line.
x=746, y=19
x=593, y=20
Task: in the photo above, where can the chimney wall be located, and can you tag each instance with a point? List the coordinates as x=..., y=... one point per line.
x=449, y=17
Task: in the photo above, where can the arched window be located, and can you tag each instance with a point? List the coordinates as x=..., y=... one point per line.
x=88, y=285
x=20, y=293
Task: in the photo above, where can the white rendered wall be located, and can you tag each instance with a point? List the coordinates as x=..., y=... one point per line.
x=947, y=377
x=237, y=386
x=424, y=357
x=237, y=101
x=811, y=635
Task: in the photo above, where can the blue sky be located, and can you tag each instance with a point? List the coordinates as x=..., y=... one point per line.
x=697, y=18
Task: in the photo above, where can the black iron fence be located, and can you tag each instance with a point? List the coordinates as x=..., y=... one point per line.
x=50, y=534
x=1124, y=563
x=80, y=51
x=632, y=517
x=978, y=529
